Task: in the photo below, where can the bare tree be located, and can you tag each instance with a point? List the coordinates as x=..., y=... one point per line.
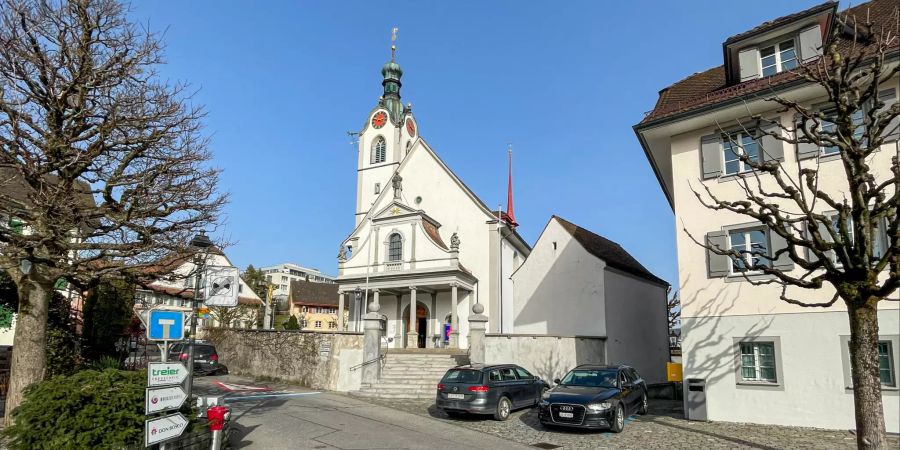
x=840, y=250
x=103, y=164
x=673, y=309
x=226, y=315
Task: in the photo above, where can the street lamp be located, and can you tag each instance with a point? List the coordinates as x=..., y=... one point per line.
x=201, y=244
x=358, y=314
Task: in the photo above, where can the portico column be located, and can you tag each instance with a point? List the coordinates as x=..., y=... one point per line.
x=412, y=338
x=340, y=311
x=454, y=316
x=435, y=322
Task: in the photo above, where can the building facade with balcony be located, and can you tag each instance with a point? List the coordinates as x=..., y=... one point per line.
x=281, y=276
x=748, y=355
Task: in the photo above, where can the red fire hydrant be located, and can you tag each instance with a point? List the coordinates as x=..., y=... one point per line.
x=216, y=416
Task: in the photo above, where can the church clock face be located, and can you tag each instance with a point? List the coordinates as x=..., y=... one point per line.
x=379, y=120
x=411, y=128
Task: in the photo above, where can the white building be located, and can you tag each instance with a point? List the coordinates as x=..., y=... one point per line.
x=761, y=359
x=281, y=275
x=577, y=283
x=422, y=236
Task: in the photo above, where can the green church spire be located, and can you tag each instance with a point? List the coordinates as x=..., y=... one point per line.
x=391, y=72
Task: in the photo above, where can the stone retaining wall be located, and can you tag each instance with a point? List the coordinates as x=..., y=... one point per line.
x=319, y=360
x=546, y=356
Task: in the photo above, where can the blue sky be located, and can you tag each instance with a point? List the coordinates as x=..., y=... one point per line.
x=563, y=81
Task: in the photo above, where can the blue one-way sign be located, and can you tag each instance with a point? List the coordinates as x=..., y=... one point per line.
x=165, y=325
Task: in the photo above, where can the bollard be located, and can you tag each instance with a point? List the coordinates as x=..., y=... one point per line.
x=216, y=416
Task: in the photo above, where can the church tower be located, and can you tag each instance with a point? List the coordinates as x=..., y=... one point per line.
x=386, y=138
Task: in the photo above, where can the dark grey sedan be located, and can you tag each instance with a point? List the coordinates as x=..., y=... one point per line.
x=488, y=389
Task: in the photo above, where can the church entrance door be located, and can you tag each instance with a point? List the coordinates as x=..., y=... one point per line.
x=421, y=323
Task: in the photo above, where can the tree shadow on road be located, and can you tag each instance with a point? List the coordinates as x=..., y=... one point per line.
x=731, y=439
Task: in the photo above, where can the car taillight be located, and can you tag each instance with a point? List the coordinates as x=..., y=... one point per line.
x=478, y=388
x=214, y=357
x=183, y=357
x=440, y=386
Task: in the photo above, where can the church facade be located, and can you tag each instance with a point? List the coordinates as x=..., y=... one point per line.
x=425, y=249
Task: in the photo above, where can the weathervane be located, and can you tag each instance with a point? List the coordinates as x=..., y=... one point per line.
x=393, y=42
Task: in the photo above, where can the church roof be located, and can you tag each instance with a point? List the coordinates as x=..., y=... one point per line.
x=610, y=252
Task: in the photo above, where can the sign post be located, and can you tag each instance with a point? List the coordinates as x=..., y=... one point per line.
x=164, y=391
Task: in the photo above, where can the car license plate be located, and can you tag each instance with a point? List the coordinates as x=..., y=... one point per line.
x=566, y=415
x=456, y=396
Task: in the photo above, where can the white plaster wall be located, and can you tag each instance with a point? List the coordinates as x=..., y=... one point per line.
x=636, y=324
x=548, y=357
x=559, y=291
x=368, y=174
x=813, y=391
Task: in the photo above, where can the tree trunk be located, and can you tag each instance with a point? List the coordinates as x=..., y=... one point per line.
x=29, y=342
x=870, y=430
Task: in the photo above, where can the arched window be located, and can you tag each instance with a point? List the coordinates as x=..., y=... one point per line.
x=395, y=248
x=379, y=150
x=408, y=145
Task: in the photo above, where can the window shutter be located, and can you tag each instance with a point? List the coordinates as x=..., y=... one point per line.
x=784, y=262
x=810, y=43
x=772, y=148
x=805, y=150
x=889, y=97
x=823, y=231
x=718, y=265
x=711, y=155
x=748, y=59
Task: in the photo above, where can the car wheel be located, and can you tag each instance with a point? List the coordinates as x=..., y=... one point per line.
x=618, y=423
x=504, y=407
x=645, y=406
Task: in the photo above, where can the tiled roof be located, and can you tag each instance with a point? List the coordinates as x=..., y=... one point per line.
x=784, y=20
x=309, y=293
x=709, y=87
x=610, y=252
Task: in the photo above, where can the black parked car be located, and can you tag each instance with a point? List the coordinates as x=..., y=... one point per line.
x=591, y=396
x=493, y=389
x=206, y=360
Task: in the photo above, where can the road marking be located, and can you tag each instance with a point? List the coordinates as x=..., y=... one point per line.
x=234, y=387
x=254, y=397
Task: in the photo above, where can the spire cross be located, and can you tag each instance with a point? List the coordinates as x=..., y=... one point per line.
x=393, y=42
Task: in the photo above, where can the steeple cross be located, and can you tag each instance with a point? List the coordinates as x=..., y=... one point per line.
x=394, y=42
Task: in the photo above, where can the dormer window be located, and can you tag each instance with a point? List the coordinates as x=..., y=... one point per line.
x=778, y=58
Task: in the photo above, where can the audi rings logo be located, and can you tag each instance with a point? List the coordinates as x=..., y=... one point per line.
x=566, y=408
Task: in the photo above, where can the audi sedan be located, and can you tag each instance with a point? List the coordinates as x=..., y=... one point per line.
x=488, y=389
x=594, y=397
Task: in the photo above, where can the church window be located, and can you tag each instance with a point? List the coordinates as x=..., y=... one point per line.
x=408, y=145
x=377, y=188
x=395, y=248
x=379, y=150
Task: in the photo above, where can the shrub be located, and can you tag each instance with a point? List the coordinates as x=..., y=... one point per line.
x=291, y=324
x=89, y=409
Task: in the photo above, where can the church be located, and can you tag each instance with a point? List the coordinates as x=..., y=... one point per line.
x=422, y=237
x=426, y=253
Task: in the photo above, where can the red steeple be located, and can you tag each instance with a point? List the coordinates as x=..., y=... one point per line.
x=510, y=216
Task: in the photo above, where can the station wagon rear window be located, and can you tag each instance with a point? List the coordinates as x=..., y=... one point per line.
x=466, y=376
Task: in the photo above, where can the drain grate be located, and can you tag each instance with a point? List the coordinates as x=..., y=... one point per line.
x=546, y=445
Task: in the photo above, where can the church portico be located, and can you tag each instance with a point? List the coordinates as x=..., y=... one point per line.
x=423, y=326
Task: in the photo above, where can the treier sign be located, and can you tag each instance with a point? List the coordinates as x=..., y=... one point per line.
x=162, y=374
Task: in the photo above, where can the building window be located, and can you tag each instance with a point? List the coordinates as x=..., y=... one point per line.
x=778, y=58
x=318, y=324
x=735, y=145
x=379, y=150
x=879, y=236
x=753, y=245
x=332, y=325
x=377, y=188
x=395, y=247
x=828, y=128
x=758, y=361
x=886, y=364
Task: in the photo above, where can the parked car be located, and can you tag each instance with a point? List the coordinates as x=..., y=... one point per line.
x=488, y=389
x=206, y=359
x=592, y=396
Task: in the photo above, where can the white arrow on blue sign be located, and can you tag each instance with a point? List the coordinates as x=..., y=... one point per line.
x=163, y=428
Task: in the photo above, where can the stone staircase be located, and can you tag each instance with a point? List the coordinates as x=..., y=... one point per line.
x=412, y=373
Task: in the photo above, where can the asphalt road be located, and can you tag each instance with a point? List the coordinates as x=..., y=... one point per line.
x=276, y=416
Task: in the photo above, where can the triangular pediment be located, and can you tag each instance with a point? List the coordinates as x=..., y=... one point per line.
x=394, y=209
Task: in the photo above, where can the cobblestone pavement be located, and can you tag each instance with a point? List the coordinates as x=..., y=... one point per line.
x=663, y=428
